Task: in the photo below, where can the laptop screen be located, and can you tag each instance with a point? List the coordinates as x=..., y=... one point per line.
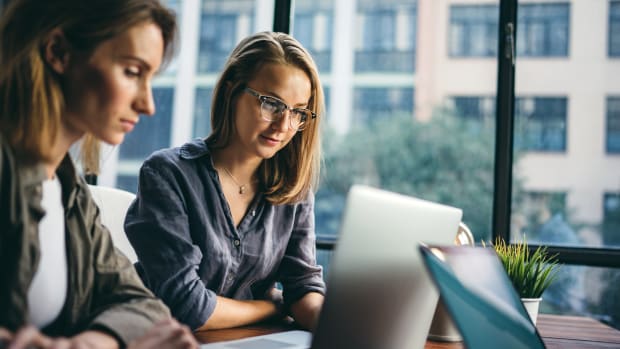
x=480, y=298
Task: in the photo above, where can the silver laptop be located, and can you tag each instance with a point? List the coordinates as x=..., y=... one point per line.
x=379, y=294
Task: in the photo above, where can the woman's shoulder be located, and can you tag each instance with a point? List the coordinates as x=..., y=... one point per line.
x=178, y=155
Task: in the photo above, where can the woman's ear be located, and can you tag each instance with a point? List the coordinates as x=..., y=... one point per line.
x=56, y=51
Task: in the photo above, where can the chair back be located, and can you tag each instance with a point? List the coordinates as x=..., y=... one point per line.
x=113, y=204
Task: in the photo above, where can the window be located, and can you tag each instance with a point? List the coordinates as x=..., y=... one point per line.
x=611, y=219
x=613, y=124
x=473, y=31
x=218, y=37
x=373, y=105
x=202, y=112
x=476, y=108
x=152, y=133
x=540, y=216
x=540, y=123
x=314, y=31
x=543, y=30
x=614, y=28
x=388, y=39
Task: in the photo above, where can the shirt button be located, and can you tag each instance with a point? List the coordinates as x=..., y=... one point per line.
x=237, y=242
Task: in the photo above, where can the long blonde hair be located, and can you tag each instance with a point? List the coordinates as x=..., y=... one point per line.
x=292, y=172
x=32, y=101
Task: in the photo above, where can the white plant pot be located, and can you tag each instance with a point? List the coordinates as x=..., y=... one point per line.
x=531, y=305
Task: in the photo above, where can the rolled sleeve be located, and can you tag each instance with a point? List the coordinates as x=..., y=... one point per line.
x=123, y=306
x=299, y=272
x=158, y=228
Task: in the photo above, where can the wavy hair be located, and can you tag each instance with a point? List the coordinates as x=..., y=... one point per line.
x=293, y=171
x=32, y=102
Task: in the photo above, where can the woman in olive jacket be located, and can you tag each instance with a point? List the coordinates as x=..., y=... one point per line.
x=72, y=68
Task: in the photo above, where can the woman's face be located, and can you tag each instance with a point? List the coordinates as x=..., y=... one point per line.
x=255, y=137
x=106, y=92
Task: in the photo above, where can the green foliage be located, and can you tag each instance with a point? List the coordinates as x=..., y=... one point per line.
x=530, y=273
x=445, y=159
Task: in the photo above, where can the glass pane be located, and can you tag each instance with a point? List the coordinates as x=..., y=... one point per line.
x=473, y=30
x=391, y=122
x=613, y=124
x=567, y=168
x=585, y=291
x=151, y=133
x=202, y=112
x=542, y=29
x=223, y=24
x=614, y=28
x=313, y=26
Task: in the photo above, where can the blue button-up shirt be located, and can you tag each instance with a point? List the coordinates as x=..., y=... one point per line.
x=189, y=249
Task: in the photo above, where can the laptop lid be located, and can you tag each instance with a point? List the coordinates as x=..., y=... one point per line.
x=378, y=292
x=480, y=298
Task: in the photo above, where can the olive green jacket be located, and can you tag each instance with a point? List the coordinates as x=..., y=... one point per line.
x=104, y=290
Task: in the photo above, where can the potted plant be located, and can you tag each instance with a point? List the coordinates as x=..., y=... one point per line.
x=530, y=273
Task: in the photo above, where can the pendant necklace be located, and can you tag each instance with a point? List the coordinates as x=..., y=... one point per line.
x=242, y=187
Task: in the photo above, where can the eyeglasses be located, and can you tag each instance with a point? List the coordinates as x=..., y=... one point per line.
x=272, y=109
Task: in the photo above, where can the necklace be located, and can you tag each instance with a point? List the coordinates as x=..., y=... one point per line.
x=242, y=187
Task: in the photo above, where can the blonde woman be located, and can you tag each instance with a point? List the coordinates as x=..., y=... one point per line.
x=72, y=68
x=218, y=221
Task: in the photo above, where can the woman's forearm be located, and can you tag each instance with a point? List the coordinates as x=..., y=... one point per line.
x=233, y=313
x=307, y=309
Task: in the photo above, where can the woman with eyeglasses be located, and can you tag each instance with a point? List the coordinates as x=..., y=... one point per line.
x=70, y=69
x=218, y=221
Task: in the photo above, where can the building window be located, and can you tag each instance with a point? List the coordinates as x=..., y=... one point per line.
x=218, y=36
x=473, y=30
x=614, y=28
x=541, y=217
x=611, y=219
x=202, y=112
x=540, y=123
x=613, y=124
x=543, y=30
x=152, y=133
x=476, y=108
x=387, y=42
x=314, y=30
x=380, y=104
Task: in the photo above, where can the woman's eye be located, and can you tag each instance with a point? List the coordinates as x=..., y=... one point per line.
x=132, y=72
x=272, y=106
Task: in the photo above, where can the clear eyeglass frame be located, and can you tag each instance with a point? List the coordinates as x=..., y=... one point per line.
x=272, y=110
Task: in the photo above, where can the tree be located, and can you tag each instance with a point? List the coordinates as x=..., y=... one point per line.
x=446, y=160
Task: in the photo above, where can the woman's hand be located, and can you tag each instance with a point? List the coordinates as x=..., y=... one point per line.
x=29, y=337
x=167, y=334
x=25, y=337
